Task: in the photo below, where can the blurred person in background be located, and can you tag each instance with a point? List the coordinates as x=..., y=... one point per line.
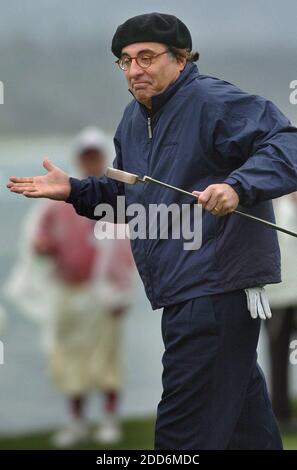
x=80, y=288
x=283, y=302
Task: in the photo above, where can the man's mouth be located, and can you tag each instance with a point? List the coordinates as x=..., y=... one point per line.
x=139, y=85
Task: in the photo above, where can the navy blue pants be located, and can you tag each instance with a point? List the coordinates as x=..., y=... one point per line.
x=214, y=393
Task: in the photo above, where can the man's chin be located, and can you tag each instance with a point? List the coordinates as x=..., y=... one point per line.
x=141, y=93
x=142, y=97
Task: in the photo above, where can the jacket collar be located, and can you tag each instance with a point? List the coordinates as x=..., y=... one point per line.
x=158, y=101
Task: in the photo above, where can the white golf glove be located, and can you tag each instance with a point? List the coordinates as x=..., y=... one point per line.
x=257, y=303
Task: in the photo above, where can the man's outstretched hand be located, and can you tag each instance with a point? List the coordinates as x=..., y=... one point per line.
x=54, y=185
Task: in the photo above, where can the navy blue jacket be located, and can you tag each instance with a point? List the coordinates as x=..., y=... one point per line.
x=202, y=130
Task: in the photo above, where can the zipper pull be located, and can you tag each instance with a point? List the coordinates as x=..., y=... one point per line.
x=149, y=127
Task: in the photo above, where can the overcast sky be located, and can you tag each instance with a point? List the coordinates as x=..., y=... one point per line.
x=213, y=21
x=59, y=73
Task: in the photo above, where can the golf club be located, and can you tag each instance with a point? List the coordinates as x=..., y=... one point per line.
x=130, y=178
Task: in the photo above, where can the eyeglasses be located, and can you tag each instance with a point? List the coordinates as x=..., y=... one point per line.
x=143, y=59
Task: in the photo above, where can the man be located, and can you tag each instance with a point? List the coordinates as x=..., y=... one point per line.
x=228, y=147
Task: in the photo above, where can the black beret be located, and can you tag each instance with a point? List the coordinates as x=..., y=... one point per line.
x=151, y=27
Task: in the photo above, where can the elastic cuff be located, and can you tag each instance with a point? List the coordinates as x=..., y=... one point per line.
x=75, y=184
x=237, y=188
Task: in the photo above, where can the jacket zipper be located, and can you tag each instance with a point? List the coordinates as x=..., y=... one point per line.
x=148, y=268
x=149, y=128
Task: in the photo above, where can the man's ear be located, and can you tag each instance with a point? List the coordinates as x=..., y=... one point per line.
x=182, y=63
x=181, y=60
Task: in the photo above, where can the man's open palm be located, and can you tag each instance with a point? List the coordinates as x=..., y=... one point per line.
x=54, y=185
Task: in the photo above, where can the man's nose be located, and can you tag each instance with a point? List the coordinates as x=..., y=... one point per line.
x=135, y=69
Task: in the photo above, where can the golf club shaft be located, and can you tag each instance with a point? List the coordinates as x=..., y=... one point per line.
x=243, y=214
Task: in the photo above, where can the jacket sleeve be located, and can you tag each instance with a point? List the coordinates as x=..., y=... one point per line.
x=88, y=193
x=262, y=146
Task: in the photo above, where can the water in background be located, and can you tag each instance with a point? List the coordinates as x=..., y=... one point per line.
x=27, y=398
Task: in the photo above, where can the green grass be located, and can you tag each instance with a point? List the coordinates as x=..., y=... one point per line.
x=290, y=441
x=138, y=435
